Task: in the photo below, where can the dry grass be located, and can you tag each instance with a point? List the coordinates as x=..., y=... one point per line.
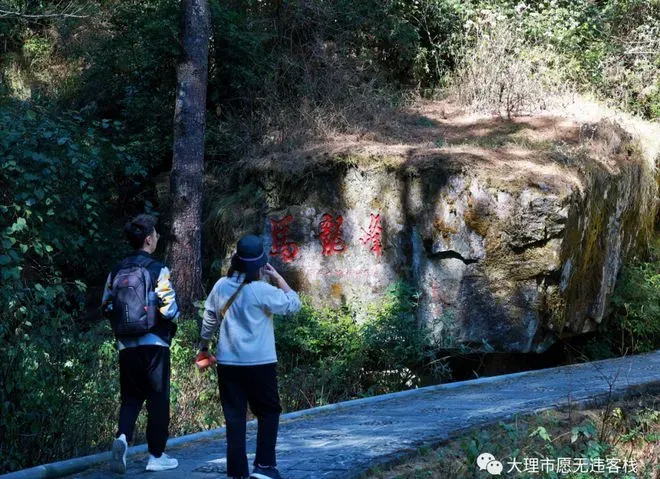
x=432, y=131
x=587, y=110
x=498, y=74
x=319, y=89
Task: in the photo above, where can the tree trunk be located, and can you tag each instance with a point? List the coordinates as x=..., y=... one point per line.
x=184, y=254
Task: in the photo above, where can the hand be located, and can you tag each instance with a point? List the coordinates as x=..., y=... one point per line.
x=271, y=272
x=204, y=359
x=277, y=278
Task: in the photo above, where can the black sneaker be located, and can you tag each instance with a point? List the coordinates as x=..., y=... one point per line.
x=265, y=473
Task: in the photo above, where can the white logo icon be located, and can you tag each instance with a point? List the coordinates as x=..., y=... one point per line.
x=486, y=461
x=495, y=468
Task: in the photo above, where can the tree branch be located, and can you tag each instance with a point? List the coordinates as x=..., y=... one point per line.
x=38, y=16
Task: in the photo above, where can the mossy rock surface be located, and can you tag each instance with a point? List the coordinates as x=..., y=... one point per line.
x=511, y=243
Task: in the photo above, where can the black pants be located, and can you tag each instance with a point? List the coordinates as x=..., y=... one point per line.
x=144, y=374
x=256, y=385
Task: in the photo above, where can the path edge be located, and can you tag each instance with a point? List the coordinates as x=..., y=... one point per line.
x=72, y=466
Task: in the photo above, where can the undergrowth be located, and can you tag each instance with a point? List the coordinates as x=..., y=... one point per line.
x=619, y=440
x=633, y=326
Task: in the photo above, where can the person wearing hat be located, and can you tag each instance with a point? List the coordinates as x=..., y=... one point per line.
x=242, y=305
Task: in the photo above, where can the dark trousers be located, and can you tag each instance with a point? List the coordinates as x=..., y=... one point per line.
x=144, y=375
x=256, y=386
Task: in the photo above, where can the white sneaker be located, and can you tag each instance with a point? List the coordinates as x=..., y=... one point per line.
x=118, y=461
x=162, y=463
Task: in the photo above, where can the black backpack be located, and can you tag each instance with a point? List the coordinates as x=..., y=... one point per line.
x=134, y=300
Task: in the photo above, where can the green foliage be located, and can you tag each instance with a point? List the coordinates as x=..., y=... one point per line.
x=633, y=326
x=57, y=378
x=610, y=48
x=397, y=348
x=194, y=399
x=56, y=180
x=329, y=62
x=626, y=431
x=131, y=73
x=327, y=355
x=57, y=176
x=412, y=41
x=637, y=315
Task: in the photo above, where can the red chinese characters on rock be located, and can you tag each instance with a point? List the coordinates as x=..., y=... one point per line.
x=286, y=250
x=373, y=235
x=330, y=235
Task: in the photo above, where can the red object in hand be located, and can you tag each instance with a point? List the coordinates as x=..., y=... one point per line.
x=204, y=359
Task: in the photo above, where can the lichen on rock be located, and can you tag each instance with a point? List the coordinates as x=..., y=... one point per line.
x=509, y=246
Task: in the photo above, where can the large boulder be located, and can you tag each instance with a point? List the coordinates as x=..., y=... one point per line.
x=509, y=243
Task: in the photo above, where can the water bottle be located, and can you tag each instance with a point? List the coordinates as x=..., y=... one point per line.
x=152, y=307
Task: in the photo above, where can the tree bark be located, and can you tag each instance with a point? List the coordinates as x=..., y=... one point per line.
x=184, y=253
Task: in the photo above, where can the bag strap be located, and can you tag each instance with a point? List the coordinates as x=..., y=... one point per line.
x=231, y=300
x=140, y=261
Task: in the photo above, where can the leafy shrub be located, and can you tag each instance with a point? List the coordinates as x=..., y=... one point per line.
x=319, y=356
x=610, y=48
x=326, y=356
x=129, y=56
x=194, y=398
x=57, y=385
x=56, y=180
x=633, y=325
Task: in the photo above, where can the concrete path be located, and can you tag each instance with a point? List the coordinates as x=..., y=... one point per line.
x=345, y=440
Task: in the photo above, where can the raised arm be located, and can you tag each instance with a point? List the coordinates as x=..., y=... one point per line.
x=280, y=300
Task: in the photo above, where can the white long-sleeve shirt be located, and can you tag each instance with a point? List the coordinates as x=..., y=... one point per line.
x=247, y=336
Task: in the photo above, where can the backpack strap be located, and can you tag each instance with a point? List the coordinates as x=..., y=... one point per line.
x=136, y=260
x=142, y=261
x=147, y=263
x=231, y=300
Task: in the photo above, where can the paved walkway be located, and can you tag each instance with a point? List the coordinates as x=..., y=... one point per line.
x=345, y=440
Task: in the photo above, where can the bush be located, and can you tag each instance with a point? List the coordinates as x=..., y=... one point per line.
x=499, y=73
x=194, y=398
x=54, y=363
x=130, y=61
x=610, y=48
x=327, y=356
x=58, y=389
x=56, y=183
x=633, y=326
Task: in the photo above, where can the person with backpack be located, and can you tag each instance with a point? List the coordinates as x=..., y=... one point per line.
x=243, y=306
x=141, y=304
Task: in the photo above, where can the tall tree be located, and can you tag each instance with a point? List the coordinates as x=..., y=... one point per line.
x=184, y=254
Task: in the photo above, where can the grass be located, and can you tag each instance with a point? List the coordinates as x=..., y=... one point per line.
x=623, y=430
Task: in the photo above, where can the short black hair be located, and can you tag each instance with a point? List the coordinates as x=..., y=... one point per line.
x=137, y=230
